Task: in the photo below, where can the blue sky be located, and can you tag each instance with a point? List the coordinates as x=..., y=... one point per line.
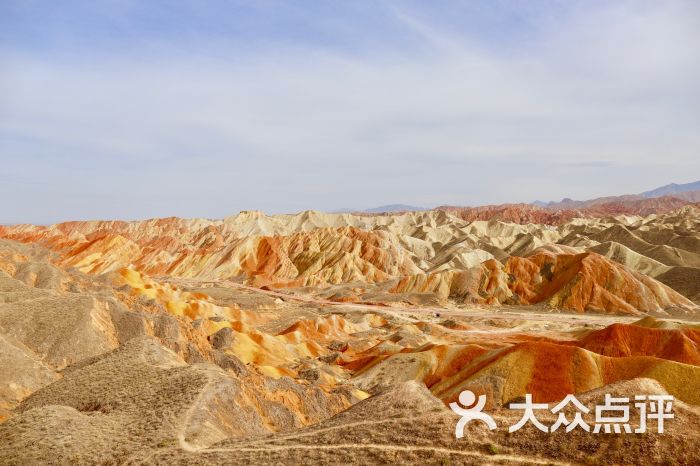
x=133, y=109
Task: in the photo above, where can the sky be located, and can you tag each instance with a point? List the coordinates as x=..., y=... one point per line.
x=131, y=109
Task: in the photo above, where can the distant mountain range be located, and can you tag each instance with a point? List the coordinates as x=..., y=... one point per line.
x=671, y=189
x=687, y=191
x=385, y=209
x=395, y=208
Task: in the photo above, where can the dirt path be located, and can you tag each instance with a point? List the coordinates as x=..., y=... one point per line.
x=477, y=313
x=487, y=459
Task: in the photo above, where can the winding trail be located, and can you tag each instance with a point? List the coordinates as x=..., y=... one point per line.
x=477, y=313
x=385, y=447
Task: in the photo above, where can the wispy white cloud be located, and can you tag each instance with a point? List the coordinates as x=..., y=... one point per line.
x=600, y=99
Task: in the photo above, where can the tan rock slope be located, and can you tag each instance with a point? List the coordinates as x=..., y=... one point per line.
x=406, y=425
x=330, y=339
x=45, y=334
x=419, y=252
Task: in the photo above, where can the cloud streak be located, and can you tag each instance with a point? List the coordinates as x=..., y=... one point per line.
x=579, y=100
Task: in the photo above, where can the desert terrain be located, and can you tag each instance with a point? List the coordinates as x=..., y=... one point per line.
x=319, y=338
x=313, y=232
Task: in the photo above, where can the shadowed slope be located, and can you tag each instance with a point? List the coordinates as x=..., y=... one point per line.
x=407, y=425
